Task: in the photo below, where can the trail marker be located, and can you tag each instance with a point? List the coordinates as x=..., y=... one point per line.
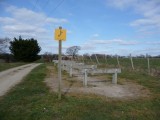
x=60, y=34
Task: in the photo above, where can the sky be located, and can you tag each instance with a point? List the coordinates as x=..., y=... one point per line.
x=119, y=27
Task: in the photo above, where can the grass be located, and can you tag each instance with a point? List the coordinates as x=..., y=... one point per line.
x=32, y=100
x=126, y=62
x=140, y=64
x=151, y=82
x=5, y=66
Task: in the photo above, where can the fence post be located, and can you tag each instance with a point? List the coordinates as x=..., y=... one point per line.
x=149, y=71
x=118, y=61
x=132, y=62
x=96, y=59
x=82, y=59
x=105, y=58
x=90, y=58
x=85, y=77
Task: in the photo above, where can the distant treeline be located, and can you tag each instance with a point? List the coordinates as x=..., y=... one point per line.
x=6, y=57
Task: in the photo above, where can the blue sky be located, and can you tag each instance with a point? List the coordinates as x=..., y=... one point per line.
x=98, y=26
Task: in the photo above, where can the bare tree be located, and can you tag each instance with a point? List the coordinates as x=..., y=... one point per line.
x=48, y=57
x=86, y=55
x=4, y=44
x=73, y=51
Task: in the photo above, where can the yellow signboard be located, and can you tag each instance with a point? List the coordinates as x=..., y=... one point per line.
x=60, y=34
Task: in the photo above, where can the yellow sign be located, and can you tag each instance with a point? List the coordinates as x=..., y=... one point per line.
x=60, y=34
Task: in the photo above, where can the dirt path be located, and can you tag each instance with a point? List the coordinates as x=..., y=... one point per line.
x=11, y=77
x=96, y=85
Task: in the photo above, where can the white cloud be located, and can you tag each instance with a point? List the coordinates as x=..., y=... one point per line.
x=88, y=47
x=70, y=14
x=153, y=43
x=121, y=4
x=24, y=30
x=7, y=20
x=96, y=35
x=25, y=15
x=149, y=9
x=146, y=22
x=56, y=20
x=150, y=51
x=113, y=46
x=27, y=23
x=115, y=41
x=120, y=47
x=69, y=31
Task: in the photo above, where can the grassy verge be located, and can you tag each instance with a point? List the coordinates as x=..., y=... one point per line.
x=5, y=66
x=31, y=100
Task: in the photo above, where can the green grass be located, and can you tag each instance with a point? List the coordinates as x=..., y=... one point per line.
x=5, y=66
x=151, y=82
x=140, y=64
x=32, y=100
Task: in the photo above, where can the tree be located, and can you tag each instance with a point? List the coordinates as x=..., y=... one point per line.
x=3, y=44
x=73, y=51
x=47, y=57
x=25, y=50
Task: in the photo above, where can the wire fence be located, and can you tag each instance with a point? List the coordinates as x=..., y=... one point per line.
x=146, y=64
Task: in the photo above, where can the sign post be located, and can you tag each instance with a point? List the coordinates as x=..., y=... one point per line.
x=60, y=34
x=59, y=70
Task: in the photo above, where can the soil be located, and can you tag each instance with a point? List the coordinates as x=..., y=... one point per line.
x=97, y=85
x=13, y=76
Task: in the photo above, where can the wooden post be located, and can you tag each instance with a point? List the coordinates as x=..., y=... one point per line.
x=96, y=59
x=85, y=77
x=118, y=61
x=59, y=70
x=60, y=34
x=90, y=58
x=105, y=58
x=83, y=59
x=132, y=62
x=149, y=71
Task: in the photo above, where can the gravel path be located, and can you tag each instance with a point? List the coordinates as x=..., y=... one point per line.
x=11, y=77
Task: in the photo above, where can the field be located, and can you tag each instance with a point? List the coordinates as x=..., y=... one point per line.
x=33, y=100
x=5, y=66
x=140, y=64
